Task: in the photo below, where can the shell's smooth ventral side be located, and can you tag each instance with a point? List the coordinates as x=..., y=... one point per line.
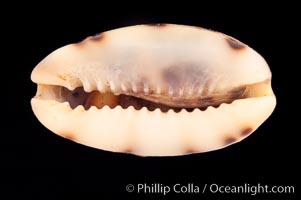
x=148, y=90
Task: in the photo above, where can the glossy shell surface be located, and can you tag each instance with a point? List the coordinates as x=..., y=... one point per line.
x=224, y=85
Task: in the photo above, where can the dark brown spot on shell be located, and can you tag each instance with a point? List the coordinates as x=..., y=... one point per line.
x=68, y=136
x=246, y=131
x=229, y=140
x=157, y=25
x=190, y=151
x=128, y=151
x=235, y=44
x=97, y=37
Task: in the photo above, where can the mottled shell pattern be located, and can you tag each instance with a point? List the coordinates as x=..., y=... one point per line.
x=154, y=90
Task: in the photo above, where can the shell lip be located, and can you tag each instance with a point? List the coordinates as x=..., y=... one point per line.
x=58, y=69
x=267, y=104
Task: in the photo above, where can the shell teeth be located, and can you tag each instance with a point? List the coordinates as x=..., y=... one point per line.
x=79, y=108
x=92, y=108
x=201, y=87
x=118, y=107
x=100, y=86
x=65, y=105
x=87, y=86
x=144, y=109
x=105, y=108
x=183, y=111
x=145, y=88
x=123, y=87
x=181, y=92
x=70, y=87
x=200, y=91
x=190, y=91
x=170, y=111
x=211, y=88
x=158, y=90
x=196, y=110
x=134, y=87
x=112, y=86
x=131, y=108
x=170, y=91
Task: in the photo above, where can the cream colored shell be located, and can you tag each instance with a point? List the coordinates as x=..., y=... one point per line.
x=131, y=61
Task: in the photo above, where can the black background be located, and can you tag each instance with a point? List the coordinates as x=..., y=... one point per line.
x=39, y=163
